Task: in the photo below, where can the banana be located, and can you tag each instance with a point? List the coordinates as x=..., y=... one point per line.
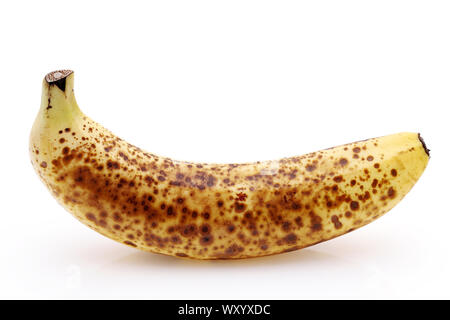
x=213, y=211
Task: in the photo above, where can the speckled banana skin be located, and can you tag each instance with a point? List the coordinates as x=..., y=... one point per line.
x=213, y=211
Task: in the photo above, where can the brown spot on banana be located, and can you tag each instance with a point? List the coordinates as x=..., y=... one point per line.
x=213, y=211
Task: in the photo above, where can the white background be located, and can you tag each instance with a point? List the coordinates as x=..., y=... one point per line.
x=229, y=81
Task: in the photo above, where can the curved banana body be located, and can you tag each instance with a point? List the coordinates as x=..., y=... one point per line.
x=213, y=211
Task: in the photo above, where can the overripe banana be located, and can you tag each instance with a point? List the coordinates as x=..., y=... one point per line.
x=213, y=211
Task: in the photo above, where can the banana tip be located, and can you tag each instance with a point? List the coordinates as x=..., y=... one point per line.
x=427, y=151
x=58, y=78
